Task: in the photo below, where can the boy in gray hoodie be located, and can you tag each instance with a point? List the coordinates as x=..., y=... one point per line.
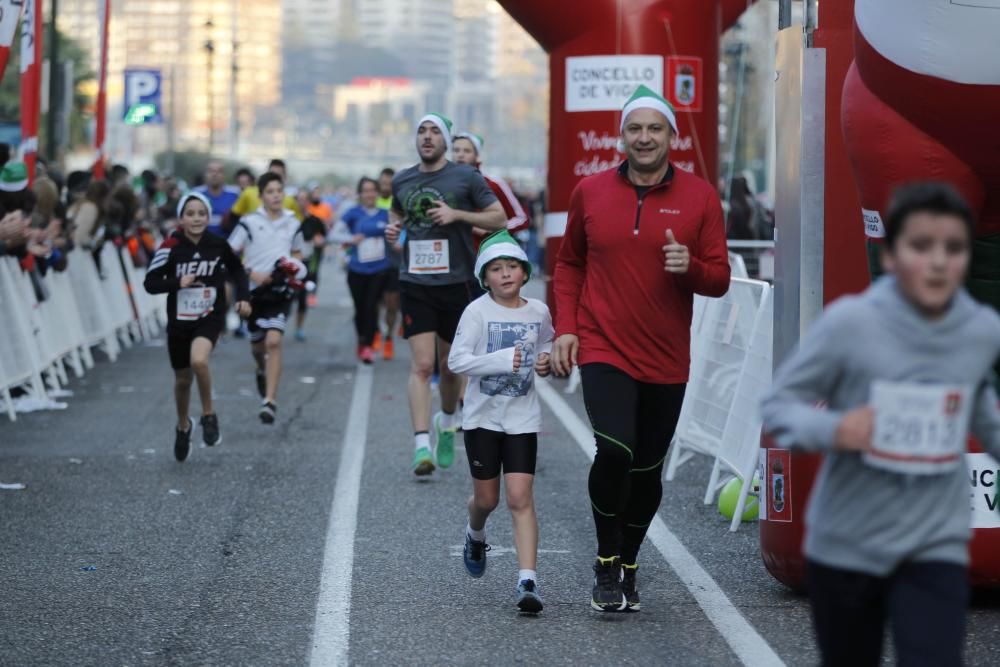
x=887, y=384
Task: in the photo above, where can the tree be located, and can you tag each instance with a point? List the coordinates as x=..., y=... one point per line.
x=81, y=110
x=189, y=166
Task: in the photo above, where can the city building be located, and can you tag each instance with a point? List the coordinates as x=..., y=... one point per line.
x=422, y=32
x=310, y=30
x=220, y=61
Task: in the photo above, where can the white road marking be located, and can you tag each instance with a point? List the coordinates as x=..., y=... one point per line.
x=331, y=632
x=741, y=636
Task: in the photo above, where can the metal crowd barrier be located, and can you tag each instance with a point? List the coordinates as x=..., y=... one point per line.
x=54, y=323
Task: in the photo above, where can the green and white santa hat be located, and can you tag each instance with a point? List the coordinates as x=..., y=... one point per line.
x=14, y=176
x=646, y=98
x=444, y=124
x=496, y=246
x=477, y=141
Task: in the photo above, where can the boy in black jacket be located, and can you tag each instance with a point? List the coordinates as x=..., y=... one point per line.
x=192, y=267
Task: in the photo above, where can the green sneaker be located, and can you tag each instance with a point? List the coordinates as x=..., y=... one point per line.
x=445, y=439
x=423, y=462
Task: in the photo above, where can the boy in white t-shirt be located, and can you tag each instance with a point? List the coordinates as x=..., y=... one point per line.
x=502, y=340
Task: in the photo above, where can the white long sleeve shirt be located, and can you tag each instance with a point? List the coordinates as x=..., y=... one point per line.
x=497, y=398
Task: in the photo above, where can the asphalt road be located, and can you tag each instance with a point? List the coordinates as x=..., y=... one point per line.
x=115, y=554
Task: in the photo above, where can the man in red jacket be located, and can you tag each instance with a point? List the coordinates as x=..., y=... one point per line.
x=641, y=240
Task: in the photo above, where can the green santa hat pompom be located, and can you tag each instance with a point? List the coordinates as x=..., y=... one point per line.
x=477, y=141
x=443, y=124
x=500, y=245
x=646, y=98
x=14, y=177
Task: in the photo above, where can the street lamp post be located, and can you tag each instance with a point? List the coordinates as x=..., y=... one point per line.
x=54, y=97
x=210, y=53
x=234, y=116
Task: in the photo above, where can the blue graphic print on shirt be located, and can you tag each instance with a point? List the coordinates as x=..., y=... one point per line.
x=503, y=335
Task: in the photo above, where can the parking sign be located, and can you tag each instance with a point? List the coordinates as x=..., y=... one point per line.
x=143, y=87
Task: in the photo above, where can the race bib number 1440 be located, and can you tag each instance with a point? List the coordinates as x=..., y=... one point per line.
x=193, y=303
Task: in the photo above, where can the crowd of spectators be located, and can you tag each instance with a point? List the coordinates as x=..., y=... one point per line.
x=41, y=222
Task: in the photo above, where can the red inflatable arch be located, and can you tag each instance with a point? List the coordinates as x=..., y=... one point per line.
x=916, y=113
x=600, y=50
x=893, y=115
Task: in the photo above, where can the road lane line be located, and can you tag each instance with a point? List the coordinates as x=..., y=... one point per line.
x=331, y=631
x=741, y=636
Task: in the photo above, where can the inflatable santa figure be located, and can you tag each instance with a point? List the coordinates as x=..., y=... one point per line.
x=922, y=102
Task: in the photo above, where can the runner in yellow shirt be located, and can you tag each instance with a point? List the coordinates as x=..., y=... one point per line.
x=249, y=200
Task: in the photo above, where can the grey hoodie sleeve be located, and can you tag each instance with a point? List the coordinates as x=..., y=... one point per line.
x=986, y=420
x=806, y=378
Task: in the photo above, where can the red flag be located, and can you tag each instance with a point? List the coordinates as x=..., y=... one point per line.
x=31, y=81
x=10, y=12
x=102, y=91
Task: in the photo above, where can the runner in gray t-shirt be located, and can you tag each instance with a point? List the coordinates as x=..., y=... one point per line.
x=438, y=203
x=414, y=194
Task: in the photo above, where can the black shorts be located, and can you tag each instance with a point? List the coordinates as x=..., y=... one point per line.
x=436, y=308
x=267, y=315
x=491, y=451
x=179, y=340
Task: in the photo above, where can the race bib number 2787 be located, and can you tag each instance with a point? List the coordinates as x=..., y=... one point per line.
x=429, y=257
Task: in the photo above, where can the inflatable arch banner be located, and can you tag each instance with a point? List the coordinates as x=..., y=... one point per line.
x=600, y=51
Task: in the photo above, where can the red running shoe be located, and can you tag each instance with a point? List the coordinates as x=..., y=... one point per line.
x=367, y=355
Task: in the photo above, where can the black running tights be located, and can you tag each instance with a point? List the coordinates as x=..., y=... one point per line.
x=633, y=424
x=366, y=290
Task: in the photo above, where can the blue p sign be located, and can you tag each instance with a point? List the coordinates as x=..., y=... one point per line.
x=142, y=86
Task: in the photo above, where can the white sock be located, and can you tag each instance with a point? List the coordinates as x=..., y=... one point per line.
x=477, y=535
x=527, y=574
x=449, y=421
x=422, y=440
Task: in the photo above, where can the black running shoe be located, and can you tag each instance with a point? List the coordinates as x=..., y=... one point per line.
x=182, y=442
x=528, y=599
x=267, y=410
x=607, y=594
x=629, y=589
x=261, y=383
x=210, y=430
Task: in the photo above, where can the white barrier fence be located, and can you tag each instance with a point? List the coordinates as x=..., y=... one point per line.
x=730, y=370
x=81, y=308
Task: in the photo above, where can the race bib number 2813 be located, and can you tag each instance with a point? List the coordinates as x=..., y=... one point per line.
x=920, y=429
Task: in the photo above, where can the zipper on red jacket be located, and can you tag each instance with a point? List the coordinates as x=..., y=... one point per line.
x=667, y=180
x=638, y=213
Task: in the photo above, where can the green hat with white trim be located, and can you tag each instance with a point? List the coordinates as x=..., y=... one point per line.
x=444, y=124
x=647, y=98
x=477, y=141
x=14, y=176
x=496, y=246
